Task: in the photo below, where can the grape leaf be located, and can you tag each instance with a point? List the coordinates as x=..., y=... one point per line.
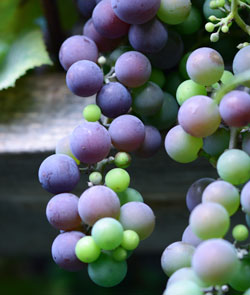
x=26, y=52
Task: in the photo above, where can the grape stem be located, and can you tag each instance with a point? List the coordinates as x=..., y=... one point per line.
x=237, y=18
x=233, y=137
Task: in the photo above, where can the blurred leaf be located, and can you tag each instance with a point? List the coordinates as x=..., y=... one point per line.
x=26, y=52
x=68, y=13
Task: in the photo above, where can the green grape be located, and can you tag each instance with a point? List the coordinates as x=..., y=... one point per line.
x=117, y=179
x=87, y=250
x=225, y=29
x=173, y=80
x=181, y=146
x=214, y=37
x=240, y=281
x=158, y=77
x=106, y=272
x=240, y=233
x=92, y=113
x=234, y=166
x=129, y=195
x=174, y=12
x=119, y=254
x=226, y=77
x=130, y=240
x=192, y=24
x=213, y=4
x=95, y=178
x=188, y=89
x=182, y=66
x=107, y=233
x=207, y=11
x=184, y=287
x=209, y=220
x=122, y=160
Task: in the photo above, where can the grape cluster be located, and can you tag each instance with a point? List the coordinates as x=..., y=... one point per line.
x=135, y=100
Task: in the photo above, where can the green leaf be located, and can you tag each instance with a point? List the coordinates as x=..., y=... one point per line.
x=26, y=52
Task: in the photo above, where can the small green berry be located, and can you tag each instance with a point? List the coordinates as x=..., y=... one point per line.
x=209, y=27
x=225, y=29
x=213, y=4
x=240, y=232
x=122, y=160
x=130, y=240
x=95, y=178
x=214, y=37
x=92, y=113
x=119, y=254
x=213, y=18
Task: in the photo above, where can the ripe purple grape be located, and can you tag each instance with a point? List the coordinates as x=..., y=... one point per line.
x=137, y=11
x=63, y=251
x=151, y=144
x=103, y=44
x=139, y=217
x=235, y=108
x=58, y=174
x=241, y=62
x=199, y=116
x=62, y=212
x=97, y=202
x=77, y=48
x=245, y=198
x=114, y=99
x=84, y=78
x=127, y=133
x=86, y=7
x=106, y=22
x=90, y=142
x=149, y=37
x=133, y=69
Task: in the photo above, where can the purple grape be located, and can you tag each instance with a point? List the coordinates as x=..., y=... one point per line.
x=107, y=23
x=190, y=238
x=246, y=143
x=151, y=144
x=150, y=37
x=139, y=217
x=114, y=100
x=63, y=251
x=147, y=99
x=245, y=198
x=169, y=56
x=195, y=191
x=97, y=202
x=235, y=108
x=133, y=69
x=199, y=116
x=77, y=48
x=241, y=62
x=58, y=174
x=84, y=78
x=86, y=7
x=103, y=44
x=62, y=212
x=127, y=133
x=137, y=11
x=90, y=142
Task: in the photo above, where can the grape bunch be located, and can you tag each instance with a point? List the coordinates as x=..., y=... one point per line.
x=126, y=57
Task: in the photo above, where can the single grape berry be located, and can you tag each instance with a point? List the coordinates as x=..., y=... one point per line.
x=119, y=254
x=130, y=240
x=122, y=160
x=87, y=250
x=92, y=113
x=240, y=232
x=117, y=179
x=95, y=178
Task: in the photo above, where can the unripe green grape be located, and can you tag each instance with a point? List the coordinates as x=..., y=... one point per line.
x=158, y=77
x=240, y=280
x=92, y=113
x=220, y=3
x=214, y=37
x=234, y=166
x=240, y=232
x=107, y=232
x=122, y=160
x=183, y=288
x=188, y=89
x=119, y=254
x=87, y=250
x=225, y=29
x=130, y=195
x=130, y=240
x=212, y=18
x=95, y=178
x=213, y=4
x=226, y=77
x=209, y=27
x=117, y=179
